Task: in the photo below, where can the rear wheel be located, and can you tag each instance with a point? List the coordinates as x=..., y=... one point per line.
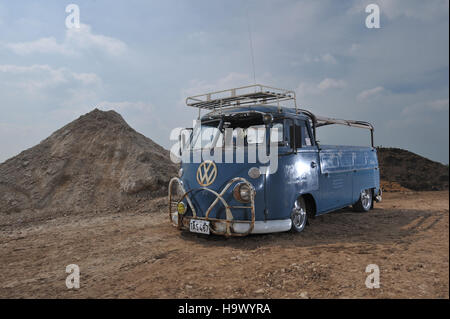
x=299, y=216
x=365, y=201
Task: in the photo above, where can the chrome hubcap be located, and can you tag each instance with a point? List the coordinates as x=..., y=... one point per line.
x=299, y=215
x=366, y=198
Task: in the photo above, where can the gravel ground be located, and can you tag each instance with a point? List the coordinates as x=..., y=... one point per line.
x=137, y=254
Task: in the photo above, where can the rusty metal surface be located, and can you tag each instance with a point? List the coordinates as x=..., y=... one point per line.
x=183, y=220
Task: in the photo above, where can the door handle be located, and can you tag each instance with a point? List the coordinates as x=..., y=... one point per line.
x=313, y=164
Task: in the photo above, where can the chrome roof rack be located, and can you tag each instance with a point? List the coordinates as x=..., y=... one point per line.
x=262, y=94
x=244, y=95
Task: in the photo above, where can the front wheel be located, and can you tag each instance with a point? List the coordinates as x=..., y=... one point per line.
x=364, y=202
x=299, y=215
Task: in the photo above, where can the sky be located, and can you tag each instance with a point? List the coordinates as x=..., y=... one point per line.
x=143, y=58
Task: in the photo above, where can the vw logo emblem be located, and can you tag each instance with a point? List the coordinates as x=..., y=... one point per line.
x=206, y=173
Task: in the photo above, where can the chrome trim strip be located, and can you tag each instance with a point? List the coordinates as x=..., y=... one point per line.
x=265, y=227
x=349, y=170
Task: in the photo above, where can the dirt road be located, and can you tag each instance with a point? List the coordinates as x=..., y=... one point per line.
x=138, y=254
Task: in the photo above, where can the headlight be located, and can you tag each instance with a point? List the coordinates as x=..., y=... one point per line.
x=254, y=172
x=180, y=173
x=242, y=193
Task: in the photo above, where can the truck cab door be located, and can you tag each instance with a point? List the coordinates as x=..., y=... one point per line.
x=305, y=156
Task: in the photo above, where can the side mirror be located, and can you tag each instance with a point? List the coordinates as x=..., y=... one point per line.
x=267, y=118
x=183, y=141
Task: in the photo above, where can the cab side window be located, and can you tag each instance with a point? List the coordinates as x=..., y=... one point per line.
x=306, y=138
x=295, y=134
x=299, y=134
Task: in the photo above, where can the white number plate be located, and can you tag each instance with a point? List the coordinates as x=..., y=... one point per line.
x=199, y=226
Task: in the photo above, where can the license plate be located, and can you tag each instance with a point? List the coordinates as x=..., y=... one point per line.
x=199, y=226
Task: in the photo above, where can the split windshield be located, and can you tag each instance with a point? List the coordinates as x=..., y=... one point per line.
x=232, y=132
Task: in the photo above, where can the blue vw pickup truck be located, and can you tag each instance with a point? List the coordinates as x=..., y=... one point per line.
x=252, y=165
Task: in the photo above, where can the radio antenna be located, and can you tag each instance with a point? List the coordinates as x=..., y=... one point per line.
x=251, y=46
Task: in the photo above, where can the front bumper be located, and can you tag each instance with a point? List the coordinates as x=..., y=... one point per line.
x=228, y=226
x=378, y=197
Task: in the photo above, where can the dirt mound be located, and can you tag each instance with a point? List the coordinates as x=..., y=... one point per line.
x=387, y=186
x=411, y=171
x=97, y=162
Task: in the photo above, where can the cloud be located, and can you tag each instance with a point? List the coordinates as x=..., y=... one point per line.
x=327, y=58
x=40, y=76
x=41, y=89
x=364, y=95
x=231, y=80
x=42, y=45
x=331, y=84
x=416, y=111
x=439, y=105
x=39, y=98
x=75, y=42
x=305, y=89
x=338, y=61
x=417, y=9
